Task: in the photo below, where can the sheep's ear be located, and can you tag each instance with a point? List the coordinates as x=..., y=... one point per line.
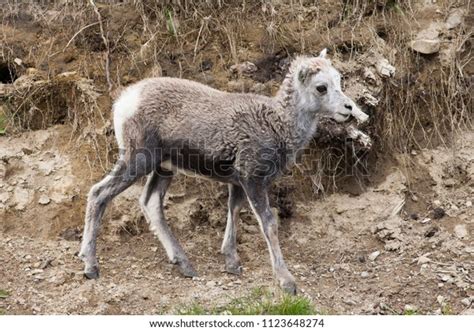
x=323, y=53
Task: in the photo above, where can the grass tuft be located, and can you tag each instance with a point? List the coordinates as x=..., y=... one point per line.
x=258, y=302
x=4, y=294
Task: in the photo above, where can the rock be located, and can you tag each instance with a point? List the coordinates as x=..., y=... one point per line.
x=364, y=274
x=369, y=75
x=468, y=204
x=392, y=245
x=440, y=299
x=460, y=231
x=469, y=249
x=348, y=301
x=438, y=213
x=466, y=302
x=423, y=260
x=445, y=278
x=455, y=18
x=361, y=258
x=21, y=198
x=44, y=200
x=18, y=61
x=384, y=68
x=374, y=255
x=431, y=231
x=211, y=283
x=36, y=271
x=243, y=68
x=437, y=203
x=425, y=46
x=450, y=182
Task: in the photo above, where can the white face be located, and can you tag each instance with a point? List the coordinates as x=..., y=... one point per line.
x=320, y=91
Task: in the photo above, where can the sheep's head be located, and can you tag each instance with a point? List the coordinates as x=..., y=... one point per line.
x=318, y=85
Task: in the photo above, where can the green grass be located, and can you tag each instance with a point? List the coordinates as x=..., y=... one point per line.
x=258, y=302
x=409, y=312
x=4, y=294
x=170, y=22
x=3, y=124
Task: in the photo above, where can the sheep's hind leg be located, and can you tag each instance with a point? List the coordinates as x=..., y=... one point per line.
x=119, y=179
x=151, y=203
x=258, y=199
x=229, y=244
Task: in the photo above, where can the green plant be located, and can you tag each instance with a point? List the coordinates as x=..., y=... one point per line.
x=258, y=302
x=4, y=294
x=3, y=124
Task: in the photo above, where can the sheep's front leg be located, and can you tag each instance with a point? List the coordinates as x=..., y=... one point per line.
x=229, y=244
x=258, y=198
x=151, y=203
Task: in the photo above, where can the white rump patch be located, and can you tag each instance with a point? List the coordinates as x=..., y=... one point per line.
x=124, y=108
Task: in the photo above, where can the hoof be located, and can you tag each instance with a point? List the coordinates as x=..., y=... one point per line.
x=186, y=269
x=289, y=287
x=92, y=273
x=233, y=267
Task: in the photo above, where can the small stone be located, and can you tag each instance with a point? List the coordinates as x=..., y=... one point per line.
x=414, y=153
x=36, y=271
x=384, y=68
x=44, y=200
x=426, y=46
x=374, y=255
x=437, y=203
x=423, y=260
x=426, y=220
x=455, y=18
x=431, y=231
x=469, y=249
x=466, y=302
x=414, y=198
x=392, y=245
x=445, y=278
x=18, y=61
x=364, y=274
x=211, y=283
x=154, y=249
x=243, y=68
x=438, y=213
x=450, y=182
x=349, y=302
x=468, y=204
x=460, y=231
x=440, y=299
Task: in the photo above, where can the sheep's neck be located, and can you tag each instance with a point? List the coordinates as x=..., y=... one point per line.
x=301, y=123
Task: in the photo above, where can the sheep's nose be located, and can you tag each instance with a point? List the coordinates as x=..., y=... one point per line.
x=348, y=106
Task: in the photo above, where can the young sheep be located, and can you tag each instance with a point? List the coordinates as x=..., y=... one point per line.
x=245, y=140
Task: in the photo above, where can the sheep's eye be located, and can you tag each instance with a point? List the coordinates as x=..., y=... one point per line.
x=322, y=89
